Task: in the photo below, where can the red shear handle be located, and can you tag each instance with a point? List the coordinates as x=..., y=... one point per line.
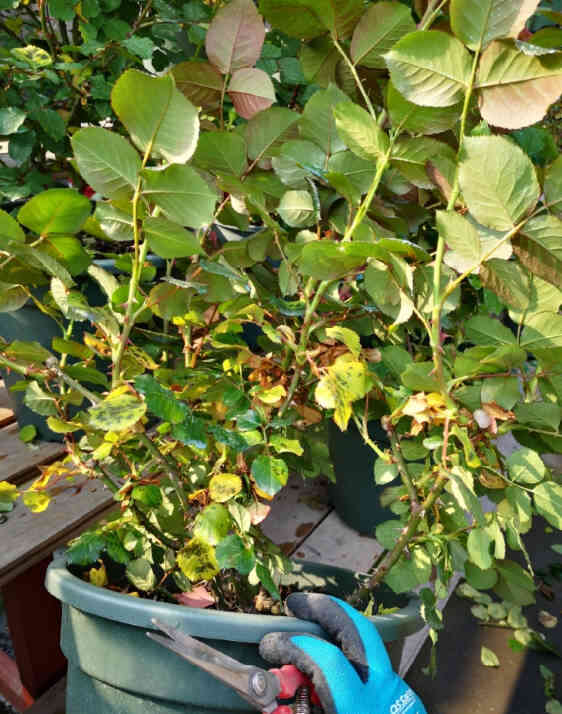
x=290, y=679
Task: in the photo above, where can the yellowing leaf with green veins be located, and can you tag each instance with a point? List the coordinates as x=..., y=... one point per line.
x=34, y=56
x=141, y=574
x=117, y=412
x=283, y=445
x=269, y=474
x=223, y=487
x=347, y=336
x=273, y=395
x=36, y=501
x=198, y=561
x=346, y=381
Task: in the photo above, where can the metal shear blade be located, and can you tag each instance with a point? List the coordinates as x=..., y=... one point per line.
x=256, y=686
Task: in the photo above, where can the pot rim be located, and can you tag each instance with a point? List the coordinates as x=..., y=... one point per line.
x=210, y=624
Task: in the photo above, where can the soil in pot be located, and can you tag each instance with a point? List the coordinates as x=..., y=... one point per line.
x=355, y=495
x=115, y=669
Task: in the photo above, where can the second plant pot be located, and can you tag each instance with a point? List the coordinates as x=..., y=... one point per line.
x=355, y=495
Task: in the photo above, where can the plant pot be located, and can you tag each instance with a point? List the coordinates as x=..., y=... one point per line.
x=355, y=495
x=115, y=669
x=29, y=324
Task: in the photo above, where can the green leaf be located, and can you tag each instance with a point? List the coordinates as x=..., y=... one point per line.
x=149, y=495
x=58, y=210
x=430, y=68
x=27, y=433
x=508, y=281
x=161, y=401
x=553, y=186
x=27, y=351
x=198, y=561
x=306, y=19
x=11, y=118
x=297, y=209
x=10, y=230
x=297, y=160
x=221, y=152
x=418, y=377
x=51, y=122
x=12, y=297
x=378, y=31
x=169, y=240
x=541, y=415
x=318, y=124
x=488, y=658
x=478, y=23
x=498, y=181
x=360, y=132
x=407, y=574
x=39, y=401
x=384, y=472
x=191, y=432
x=539, y=248
x=516, y=88
x=488, y=331
x=515, y=584
x=327, y=260
x=116, y=412
x=168, y=123
x=212, y=524
x=501, y=390
x=235, y=36
x=538, y=143
x=411, y=156
x=464, y=249
x=478, y=546
x=270, y=474
x=283, y=445
x=548, y=502
x=115, y=223
x=107, y=282
x=140, y=573
x=182, y=195
x=461, y=486
x=478, y=578
x=69, y=251
x=419, y=120
x=359, y=172
x=348, y=337
x=268, y=130
x=106, y=161
x=542, y=335
x=388, y=533
x=85, y=549
x=232, y=553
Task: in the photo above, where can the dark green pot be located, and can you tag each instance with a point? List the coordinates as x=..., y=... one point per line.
x=355, y=495
x=114, y=668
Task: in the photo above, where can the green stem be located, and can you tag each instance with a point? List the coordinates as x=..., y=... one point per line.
x=365, y=205
x=363, y=430
x=356, y=77
x=173, y=473
x=53, y=365
x=151, y=528
x=433, y=10
x=437, y=270
x=403, y=470
x=21, y=369
x=393, y=555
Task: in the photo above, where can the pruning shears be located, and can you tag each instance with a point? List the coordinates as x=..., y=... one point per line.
x=261, y=688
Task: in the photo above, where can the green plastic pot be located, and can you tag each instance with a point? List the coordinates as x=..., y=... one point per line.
x=114, y=668
x=355, y=495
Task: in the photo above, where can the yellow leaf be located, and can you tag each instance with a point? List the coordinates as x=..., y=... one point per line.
x=36, y=501
x=8, y=492
x=197, y=560
x=223, y=487
x=346, y=381
x=98, y=576
x=273, y=395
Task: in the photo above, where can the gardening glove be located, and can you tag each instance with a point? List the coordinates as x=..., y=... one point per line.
x=354, y=677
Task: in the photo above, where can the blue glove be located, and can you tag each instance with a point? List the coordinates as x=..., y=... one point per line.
x=356, y=679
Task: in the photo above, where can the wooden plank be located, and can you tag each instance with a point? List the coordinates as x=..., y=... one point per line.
x=34, y=619
x=333, y=542
x=18, y=460
x=6, y=412
x=52, y=702
x=296, y=511
x=28, y=538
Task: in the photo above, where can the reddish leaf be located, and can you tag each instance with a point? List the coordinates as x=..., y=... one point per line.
x=258, y=512
x=251, y=91
x=198, y=597
x=235, y=36
x=200, y=82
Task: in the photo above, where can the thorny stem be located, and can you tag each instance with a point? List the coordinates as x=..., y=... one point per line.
x=170, y=467
x=393, y=555
x=52, y=364
x=403, y=470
